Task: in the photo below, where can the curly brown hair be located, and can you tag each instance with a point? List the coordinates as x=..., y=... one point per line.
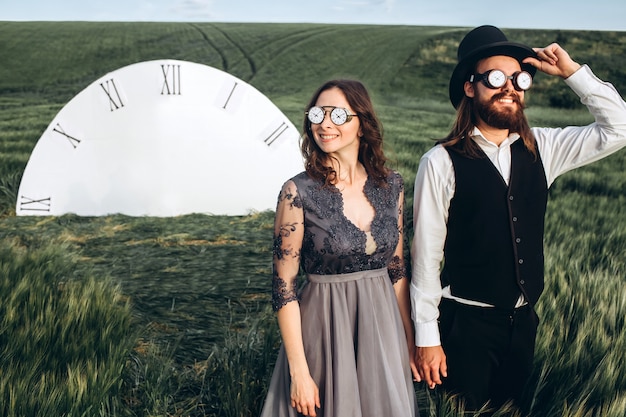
x=371, y=153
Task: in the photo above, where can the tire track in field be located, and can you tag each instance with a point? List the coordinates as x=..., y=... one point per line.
x=283, y=45
x=225, y=65
x=294, y=38
x=430, y=36
x=286, y=44
x=212, y=45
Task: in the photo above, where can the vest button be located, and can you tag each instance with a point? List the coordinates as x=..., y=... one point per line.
x=514, y=219
x=518, y=240
x=521, y=281
x=511, y=197
x=521, y=261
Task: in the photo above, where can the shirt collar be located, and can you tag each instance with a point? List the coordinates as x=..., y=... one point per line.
x=478, y=137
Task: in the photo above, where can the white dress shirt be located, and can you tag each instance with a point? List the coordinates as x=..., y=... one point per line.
x=561, y=150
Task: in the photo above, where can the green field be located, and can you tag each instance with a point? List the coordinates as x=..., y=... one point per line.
x=142, y=316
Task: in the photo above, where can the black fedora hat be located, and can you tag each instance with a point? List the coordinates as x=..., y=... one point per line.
x=482, y=42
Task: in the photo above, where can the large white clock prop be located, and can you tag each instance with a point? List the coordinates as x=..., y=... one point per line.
x=162, y=138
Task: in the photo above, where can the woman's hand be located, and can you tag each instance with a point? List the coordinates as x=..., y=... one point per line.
x=305, y=396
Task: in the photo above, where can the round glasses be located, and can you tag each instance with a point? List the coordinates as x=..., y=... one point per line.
x=338, y=115
x=496, y=78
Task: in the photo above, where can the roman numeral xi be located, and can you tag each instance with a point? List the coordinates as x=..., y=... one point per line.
x=110, y=89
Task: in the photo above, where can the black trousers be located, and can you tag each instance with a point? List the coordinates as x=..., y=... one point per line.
x=489, y=352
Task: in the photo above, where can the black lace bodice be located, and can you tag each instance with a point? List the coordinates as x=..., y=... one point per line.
x=312, y=216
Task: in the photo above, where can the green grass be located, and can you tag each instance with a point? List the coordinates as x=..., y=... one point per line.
x=64, y=338
x=141, y=316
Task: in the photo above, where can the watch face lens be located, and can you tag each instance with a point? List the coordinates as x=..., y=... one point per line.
x=496, y=78
x=339, y=116
x=316, y=115
x=523, y=80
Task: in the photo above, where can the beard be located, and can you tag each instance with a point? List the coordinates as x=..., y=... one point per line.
x=511, y=119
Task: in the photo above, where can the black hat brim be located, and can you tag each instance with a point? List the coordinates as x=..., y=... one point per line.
x=461, y=71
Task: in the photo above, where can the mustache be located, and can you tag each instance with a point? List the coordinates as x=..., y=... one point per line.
x=512, y=96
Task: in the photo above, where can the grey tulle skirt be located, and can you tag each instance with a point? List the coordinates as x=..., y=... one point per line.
x=355, y=347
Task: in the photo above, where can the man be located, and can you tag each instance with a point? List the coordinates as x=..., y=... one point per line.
x=480, y=200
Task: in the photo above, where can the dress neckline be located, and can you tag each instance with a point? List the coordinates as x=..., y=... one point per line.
x=342, y=213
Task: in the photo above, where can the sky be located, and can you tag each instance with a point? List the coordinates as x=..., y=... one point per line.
x=527, y=14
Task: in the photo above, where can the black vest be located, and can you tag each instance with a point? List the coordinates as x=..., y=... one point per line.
x=494, y=245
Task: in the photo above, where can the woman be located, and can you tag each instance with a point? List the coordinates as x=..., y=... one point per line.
x=347, y=336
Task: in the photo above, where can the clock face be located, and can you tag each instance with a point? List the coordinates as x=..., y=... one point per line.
x=523, y=80
x=496, y=79
x=316, y=115
x=162, y=138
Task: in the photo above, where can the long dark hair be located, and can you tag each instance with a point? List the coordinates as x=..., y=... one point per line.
x=371, y=153
x=463, y=127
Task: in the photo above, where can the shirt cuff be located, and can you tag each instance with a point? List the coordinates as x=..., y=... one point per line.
x=427, y=334
x=579, y=81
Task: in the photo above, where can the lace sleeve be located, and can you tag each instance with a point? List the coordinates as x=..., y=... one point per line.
x=397, y=268
x=288, y=234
